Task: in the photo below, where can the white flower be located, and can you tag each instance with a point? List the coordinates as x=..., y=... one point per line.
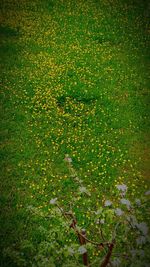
x=147, y=193
x=126, y=202
x=53, y=201
x=102, y=221
x=78, y=180
x=107, y=203
x=138, y=202
x=119, y=212
x=122, y=187
x=116, y=262
x=141, y=240
x=71, y=251
x=82, y=250
x=82, y=189
x=99, y=211
x=67, y=158
x=143, y=227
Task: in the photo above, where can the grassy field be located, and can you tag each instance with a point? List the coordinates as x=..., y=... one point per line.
x=74, y=81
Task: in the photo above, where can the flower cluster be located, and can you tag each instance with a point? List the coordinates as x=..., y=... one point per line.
x=120, y=219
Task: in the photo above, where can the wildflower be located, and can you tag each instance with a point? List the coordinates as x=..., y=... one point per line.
x=99, y=211
x=71, y=251
x=67, y=158
x=119, y=212
x=147, y=193
x=78, y=180
x=82, y=250
x=82, y=189
x=126, y=202
x=122, y=187
x=143, y=227
x=138, y=202
x=53, y=201
x=107, y=203
x=102, y=221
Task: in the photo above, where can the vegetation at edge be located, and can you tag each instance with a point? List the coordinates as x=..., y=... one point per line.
x=74, y=78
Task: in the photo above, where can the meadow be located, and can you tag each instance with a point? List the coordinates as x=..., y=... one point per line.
x=74, y=78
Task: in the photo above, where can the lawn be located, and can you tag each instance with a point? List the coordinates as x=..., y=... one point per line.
x=74, y=78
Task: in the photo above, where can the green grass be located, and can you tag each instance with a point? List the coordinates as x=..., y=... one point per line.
x=75, y=81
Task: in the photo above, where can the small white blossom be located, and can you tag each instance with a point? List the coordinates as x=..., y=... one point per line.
x=107, y=203
x=99, y=211
x=141, y=240
x=71, y=251
x=119, y=212
x=122, y=187
x=82, y=189
x=125, y=202
x=102, y=221
x=67, y=158
x=78, y=180
x=138, y=202
x=97, y=221
x=82, y=250
x=143, y=227
x=147, y=193
x=53, y=201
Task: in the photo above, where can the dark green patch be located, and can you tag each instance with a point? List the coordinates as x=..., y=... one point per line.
x=6, y=31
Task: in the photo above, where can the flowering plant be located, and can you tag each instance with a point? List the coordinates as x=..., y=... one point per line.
x=120, y=237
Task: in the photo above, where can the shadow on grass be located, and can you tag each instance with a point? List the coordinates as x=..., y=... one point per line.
x=6, y=31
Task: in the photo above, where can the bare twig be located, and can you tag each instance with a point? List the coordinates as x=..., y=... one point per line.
x=111, y=246
x=73, y=225
x=82, y=241
x=108, y=255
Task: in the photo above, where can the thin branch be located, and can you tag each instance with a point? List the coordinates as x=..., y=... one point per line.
x=108, y=255
x=90, y=241
x=73, y=225
x=82, y=241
